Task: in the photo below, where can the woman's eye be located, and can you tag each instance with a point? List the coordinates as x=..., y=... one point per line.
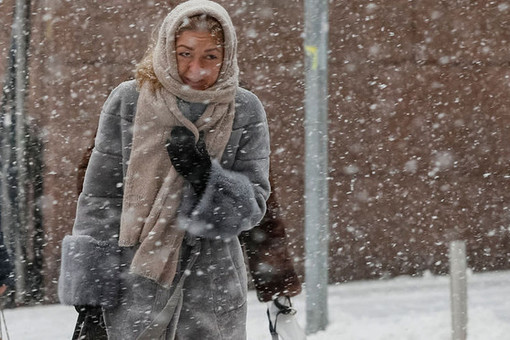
x=212, y=57
x=184, y=54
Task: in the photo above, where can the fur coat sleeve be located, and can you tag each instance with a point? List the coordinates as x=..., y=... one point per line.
x=91, y=256
x=235, y=196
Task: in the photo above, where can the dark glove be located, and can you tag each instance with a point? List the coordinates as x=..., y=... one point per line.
x=190, y=160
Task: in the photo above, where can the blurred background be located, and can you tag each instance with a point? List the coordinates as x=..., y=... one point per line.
x=419, y=123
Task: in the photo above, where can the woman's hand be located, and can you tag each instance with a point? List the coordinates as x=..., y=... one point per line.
x=190, y=160
x=3, y=288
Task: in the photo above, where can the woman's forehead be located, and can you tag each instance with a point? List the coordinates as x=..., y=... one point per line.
x=198, y=37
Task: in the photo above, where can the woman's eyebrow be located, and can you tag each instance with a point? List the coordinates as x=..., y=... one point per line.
x=182, y=45
x=213, y=49
x=208, y=50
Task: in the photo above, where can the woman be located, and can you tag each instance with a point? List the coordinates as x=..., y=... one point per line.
x=155, y=243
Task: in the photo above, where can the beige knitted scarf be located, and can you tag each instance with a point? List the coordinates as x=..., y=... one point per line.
x=153, y=188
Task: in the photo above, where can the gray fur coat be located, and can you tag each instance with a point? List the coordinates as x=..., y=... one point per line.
x=94, y=269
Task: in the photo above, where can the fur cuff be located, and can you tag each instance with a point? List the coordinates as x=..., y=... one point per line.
x=224, y=210
x=90, y=272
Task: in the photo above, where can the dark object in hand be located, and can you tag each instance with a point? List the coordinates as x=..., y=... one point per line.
x=190, y=159
x=90, y=324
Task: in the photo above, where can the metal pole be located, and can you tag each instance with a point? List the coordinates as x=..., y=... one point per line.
x=316, y=164
x=458, y=289
x=20, y=30
x=6, y=147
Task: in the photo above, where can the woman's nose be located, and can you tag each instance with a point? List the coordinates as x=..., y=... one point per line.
x=195, y=69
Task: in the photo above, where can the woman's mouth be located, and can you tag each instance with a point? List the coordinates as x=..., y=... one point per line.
x=196, y=85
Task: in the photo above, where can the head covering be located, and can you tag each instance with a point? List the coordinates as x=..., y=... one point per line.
x=153, y=188
x=165, y=62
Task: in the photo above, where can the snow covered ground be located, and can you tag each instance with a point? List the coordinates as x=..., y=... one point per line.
x=403, y=308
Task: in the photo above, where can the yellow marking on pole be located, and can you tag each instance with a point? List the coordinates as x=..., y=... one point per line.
x=312, y=51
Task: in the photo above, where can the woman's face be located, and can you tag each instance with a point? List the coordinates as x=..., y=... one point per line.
x=199, y=58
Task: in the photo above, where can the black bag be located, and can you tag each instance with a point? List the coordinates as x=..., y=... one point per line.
x=90, y=324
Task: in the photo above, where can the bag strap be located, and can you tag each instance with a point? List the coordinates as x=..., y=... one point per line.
x=173, y=307
x=272, y=328
x=79, y=325
x=5, y=325
x=282, y=309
